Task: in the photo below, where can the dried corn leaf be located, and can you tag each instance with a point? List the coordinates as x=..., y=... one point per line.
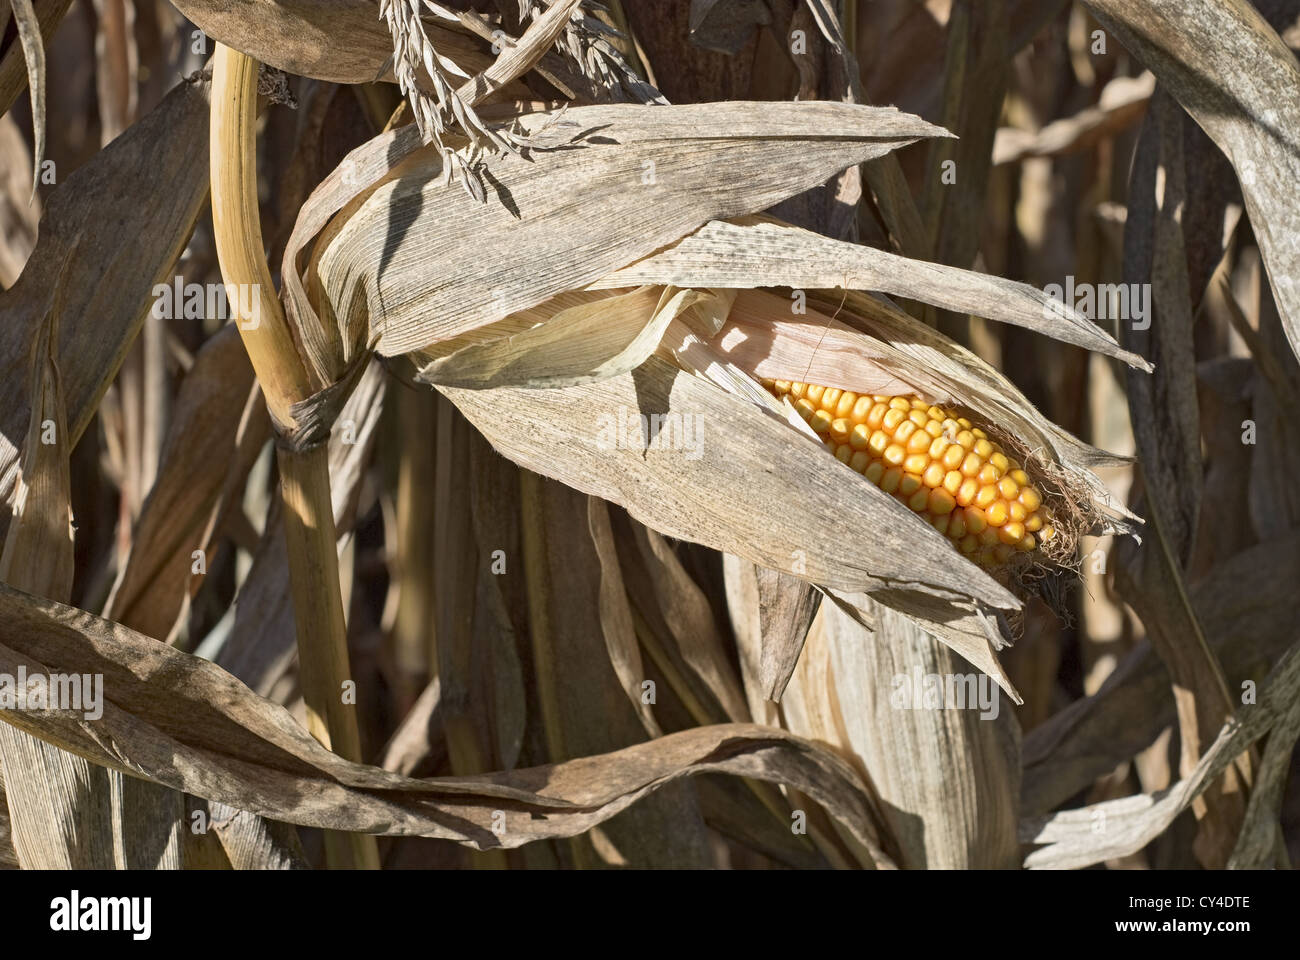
x=8, y=855
x=1165, y=416
x=29, y=38
x=786, y=607
x=109, y=284
x=38, y=552
x=743, y=608
x=1244, y=627
x=419, y=742
x=59, y=804
x=759, y=252
x=207, y=734
x=261, y=646
x=19, y=60
x=584, y=707
x=616, y=616
x=501, y=615
x=1122, y=103
x=656, y=167
x=343, y=41
x=255, y=843
x=686, y=611
x=1071, y=839
x=215, y=421
x=1261, y=835
x=1241, y=83
x=971, y=633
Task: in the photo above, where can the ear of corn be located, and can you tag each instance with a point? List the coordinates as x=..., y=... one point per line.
x=935, y=461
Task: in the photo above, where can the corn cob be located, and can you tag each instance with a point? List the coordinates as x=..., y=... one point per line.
x=933, y=460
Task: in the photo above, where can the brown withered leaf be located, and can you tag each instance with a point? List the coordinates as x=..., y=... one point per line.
x=1070, y=839
x=1122, y=103
x=217, y=429
x=1261, y=836
x=60, y=805
x=945, y=779
x=204, y=732
x=1246, y=628
x=584, y=707
x=343, y=41
x=109, y=283
x=786, y=607
x=1164, y=413
x=1241, y=83
x=261, y=646
x=25, y=60
x=689, y=618
x=616, y=616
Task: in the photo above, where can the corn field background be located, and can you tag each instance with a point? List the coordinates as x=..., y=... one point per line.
x=420, y=427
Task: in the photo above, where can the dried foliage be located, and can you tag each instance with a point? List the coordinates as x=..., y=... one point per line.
x=386, y=453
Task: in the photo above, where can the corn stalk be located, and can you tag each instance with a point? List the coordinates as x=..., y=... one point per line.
x=285, y=380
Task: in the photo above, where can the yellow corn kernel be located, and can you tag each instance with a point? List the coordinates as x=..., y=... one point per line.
x=916, y=463
x=998, y=513
x=938, y=463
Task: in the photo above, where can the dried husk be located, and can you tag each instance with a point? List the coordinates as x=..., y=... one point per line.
x=656, y=167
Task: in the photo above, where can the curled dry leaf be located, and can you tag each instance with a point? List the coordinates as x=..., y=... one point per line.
x=206, y=733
